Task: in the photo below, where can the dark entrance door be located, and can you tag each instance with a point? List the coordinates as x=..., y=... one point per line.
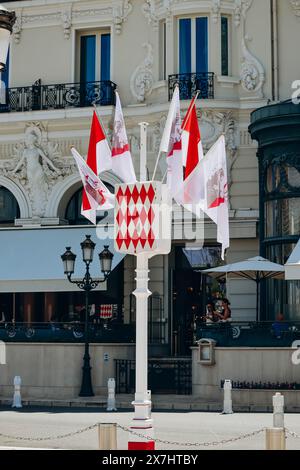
x=191, y=291
x=187, y=304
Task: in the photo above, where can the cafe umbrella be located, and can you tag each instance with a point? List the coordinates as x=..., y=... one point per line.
x=255, y=269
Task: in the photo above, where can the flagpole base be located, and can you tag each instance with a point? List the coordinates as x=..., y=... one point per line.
x=142, y=424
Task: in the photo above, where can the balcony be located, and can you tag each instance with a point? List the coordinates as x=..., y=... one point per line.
x=250, y=334
x=66, y=332
x=60, y=96
x=190, y=83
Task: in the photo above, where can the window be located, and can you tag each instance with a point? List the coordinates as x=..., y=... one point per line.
x=94, y=56
x=225, y=45
x=193, y=45
x=9, y=209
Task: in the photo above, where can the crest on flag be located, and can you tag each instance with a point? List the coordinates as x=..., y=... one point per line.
x=217, y=189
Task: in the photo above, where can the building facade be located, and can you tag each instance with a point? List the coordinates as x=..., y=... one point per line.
x=67, y=55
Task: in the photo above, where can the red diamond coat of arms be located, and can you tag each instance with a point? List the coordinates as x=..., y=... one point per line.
x=143, y=218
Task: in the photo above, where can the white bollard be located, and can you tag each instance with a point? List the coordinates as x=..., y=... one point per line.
x=111, y=400
x=17, y=401
x=278, y=410
x=227, y=406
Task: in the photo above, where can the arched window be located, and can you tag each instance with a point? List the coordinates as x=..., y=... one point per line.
x=73, y=211
x=9, y=208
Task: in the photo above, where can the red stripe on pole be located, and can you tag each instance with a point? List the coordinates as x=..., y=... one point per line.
x=149, y=445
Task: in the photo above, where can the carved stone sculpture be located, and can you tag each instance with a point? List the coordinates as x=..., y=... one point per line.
x=141, y=82
x=34, y=160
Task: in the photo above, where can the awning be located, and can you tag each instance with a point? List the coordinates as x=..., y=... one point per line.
x=30, y=258
x=292, y=266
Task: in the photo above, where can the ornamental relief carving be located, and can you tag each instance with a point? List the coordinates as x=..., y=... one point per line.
x=149, y=10
x=252, y=73
x=141, y=82
x=295, y=4
x=36, y=164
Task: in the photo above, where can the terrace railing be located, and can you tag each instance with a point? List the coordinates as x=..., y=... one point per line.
x=190, y=83
x=262, y=334
x=59, y=96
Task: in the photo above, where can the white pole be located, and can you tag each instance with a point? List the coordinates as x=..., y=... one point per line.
x=142, y=293
x=142, y=422
x=143, y=151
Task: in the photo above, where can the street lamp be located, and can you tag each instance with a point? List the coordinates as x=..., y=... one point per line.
x=87, y=284
x=7, y=20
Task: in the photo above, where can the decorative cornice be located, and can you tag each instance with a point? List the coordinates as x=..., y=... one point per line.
x=121, y=10
x=116, y=12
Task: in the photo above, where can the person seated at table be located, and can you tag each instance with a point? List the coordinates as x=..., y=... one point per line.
x=279, y=326
x=225, y=316
x=211, y=314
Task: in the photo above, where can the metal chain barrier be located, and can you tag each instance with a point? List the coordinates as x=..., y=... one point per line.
x=161, y=441
x=292, y=434
x=49, y=438
x=126, y=429
x=193, y=444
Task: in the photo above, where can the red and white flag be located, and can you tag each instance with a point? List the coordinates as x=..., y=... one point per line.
x=96, y=193
x=216, y=190
x=121, y=161
x=171, y=145
x=98, y=160
x=205, y=184
x=192, y=154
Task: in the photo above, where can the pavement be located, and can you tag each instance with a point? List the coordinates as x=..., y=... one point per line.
x=178, y=428
x=159, y=403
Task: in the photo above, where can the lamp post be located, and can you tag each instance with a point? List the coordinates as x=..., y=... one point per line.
x=87, y=284
x=7, y=20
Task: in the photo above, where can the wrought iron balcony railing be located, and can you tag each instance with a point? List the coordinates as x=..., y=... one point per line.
x=66, y=332
x=59, y=96
x=190, y=83
x=250, y=334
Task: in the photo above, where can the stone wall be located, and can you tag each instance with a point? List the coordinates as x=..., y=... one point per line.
x=50, y=370
x=245, y=364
